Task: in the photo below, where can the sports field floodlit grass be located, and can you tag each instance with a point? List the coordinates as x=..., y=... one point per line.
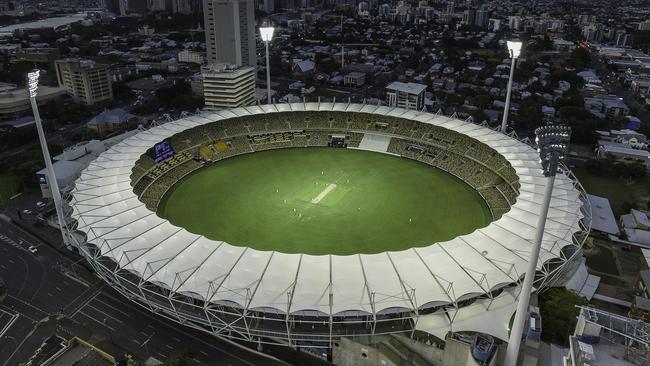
x=324, y=201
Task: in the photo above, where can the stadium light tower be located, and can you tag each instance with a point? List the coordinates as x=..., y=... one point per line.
x=514, y=48
x=552, y=144
x=267, y=35
x=32, y=82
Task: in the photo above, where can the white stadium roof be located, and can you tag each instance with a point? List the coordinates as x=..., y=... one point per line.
x=112, y=217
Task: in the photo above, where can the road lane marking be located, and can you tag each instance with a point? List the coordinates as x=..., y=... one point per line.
x=85, y=302
x=144, y=334
x=108, y=315
x=176, y=339
x=99, y=322
x=6, y=327
x=205, y=353
x=152, y=316
x=28, y=304
x=168, y=346
x=112, y=307
x=197, y=361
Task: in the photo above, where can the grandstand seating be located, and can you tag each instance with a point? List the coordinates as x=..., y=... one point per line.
x=477, y=164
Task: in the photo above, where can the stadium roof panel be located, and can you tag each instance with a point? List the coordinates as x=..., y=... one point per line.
x=122, y=228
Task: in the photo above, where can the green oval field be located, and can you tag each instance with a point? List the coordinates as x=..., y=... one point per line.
x=324, y=201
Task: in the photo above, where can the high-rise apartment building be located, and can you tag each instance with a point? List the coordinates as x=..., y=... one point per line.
x=482, y=16
x=117, y=7
x=230, y=31
x=157, y=5
x=85, y=81
x=137, y=6
x=624, y=39
x=644, y=26
x=514, y=22
x=182, y=6
x=228, y=86
x=469, y=16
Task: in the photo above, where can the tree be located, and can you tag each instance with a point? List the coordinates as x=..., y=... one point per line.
x=559, y=313
x=480, y=116
x=540, y=45
x=455, y=99
x=530, y=112
x=483, y=100
x=121, y=91
x=179, y=95
x=575, y=112
x=570, y=98
x=181, y=358
x=610, y=166
x=579, y=58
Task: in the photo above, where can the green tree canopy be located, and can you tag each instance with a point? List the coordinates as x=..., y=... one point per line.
x=559, y=312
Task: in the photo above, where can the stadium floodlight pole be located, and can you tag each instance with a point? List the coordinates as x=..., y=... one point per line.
x=32, y=82
x=514, y=48
x=267, y=35
x=552, y=144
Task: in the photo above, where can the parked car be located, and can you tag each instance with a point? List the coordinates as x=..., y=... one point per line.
x=27, y=212
x=32, y=249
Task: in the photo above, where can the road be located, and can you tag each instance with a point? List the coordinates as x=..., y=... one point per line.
x=613, y=86
x=46, y=298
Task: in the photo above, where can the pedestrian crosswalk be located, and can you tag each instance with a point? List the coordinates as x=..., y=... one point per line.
x=6, y=320
x=12, y=242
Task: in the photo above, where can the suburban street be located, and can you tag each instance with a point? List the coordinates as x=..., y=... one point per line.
x=613, y=86
x=45, y=298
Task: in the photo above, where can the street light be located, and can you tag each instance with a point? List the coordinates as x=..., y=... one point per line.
x=267, y=35
x=32, y=83
x=552, y=144
x=514, y=48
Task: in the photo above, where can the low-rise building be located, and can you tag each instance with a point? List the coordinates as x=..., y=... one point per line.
x=303, y=67
x=191, y=57
x=622, y=152
x=20, y=122
x=640, y=85
x=601, y=337
x=57, y=351
x=354, y=79
x=606, y=106
x=563, y=45
x=640, y=307
x=590, y=77
x=14, y=100
x=38, y=55
x=405, y=95
x=74, y=159
x=111, y=121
